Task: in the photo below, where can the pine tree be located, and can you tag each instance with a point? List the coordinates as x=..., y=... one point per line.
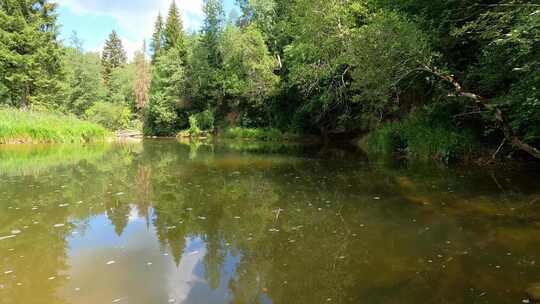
x=113, y=57
x=174, y=32
x=141, y=87
x=30, y=55
x=212, y=28
x=156, y=44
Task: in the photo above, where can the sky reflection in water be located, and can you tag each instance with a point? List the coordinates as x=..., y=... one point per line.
x=167, y=222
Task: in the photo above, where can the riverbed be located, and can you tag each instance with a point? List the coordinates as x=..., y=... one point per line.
x=161, y=221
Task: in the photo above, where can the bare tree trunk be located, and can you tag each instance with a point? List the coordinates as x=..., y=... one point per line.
x=484, y=103
x=24, y=99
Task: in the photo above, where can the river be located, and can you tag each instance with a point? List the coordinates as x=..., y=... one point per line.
x=161, y=221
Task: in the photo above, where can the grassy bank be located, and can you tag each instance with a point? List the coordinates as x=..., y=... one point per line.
x=420, y=137
x=36, y=127
x=257, y=134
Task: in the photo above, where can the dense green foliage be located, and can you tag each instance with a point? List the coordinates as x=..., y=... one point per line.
x=421, y=135
x=30, y=55
x=256, y=134
x=35, y=127
x=325, y=67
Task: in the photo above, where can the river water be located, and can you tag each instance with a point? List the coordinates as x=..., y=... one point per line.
x=169, y=222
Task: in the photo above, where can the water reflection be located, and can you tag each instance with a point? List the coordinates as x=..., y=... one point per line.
x=169, y=222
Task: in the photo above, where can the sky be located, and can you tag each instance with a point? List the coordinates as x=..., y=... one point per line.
x=133, y=20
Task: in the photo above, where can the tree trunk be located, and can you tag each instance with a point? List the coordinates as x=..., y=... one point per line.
x=24, y=99
x=484, y=103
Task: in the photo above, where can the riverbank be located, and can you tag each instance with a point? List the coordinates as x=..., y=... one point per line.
x=17, y=126
x=249, y=134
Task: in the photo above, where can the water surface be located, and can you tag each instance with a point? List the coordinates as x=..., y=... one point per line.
x=168, y=222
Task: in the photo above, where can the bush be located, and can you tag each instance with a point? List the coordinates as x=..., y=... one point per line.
x=111, y=116
x=194, y=129
x=205, y=120
x=161, y=118
x=421, y=138
x=256, y=134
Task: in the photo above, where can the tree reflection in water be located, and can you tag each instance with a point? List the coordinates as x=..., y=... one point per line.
x=199, y=223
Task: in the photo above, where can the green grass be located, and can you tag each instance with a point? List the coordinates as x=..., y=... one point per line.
x=18, y=126
x=257, y=134
x=420, y=138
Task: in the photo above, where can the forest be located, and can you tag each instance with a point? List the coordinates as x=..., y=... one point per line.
x=446, y=80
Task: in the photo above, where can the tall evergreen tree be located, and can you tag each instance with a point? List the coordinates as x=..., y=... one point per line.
x=174, y=32
x=30, y=55
x=156, y=44
x=113, y=57
x=212, y=28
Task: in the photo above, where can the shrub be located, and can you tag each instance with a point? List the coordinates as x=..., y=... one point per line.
x=111, y=116
x=256, y=134
x=205, y=120
x=161, y=118
x=194, y=129
x=421, y=138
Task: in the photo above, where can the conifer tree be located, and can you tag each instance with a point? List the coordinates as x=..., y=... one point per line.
x=156, y=44
x=212, y=28
x=174, y=32
x=30, y=55
x=113, y=57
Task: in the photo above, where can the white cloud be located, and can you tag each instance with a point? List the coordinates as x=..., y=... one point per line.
x=137, y=17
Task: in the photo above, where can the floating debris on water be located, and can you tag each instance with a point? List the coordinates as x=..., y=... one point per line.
x=202, y=218
x=120, y=193
x=51, y=278
x=376, y=198
x=15, y=231
x=6, y=237
x=63, y=205
x=110, y=262
x=8, y=272
x=59, y=225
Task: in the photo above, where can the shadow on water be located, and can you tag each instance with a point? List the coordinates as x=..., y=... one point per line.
x=244, y=222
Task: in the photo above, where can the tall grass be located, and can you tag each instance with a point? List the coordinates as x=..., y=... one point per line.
x=419, y=137
x=18, y=126
x=257, y=134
